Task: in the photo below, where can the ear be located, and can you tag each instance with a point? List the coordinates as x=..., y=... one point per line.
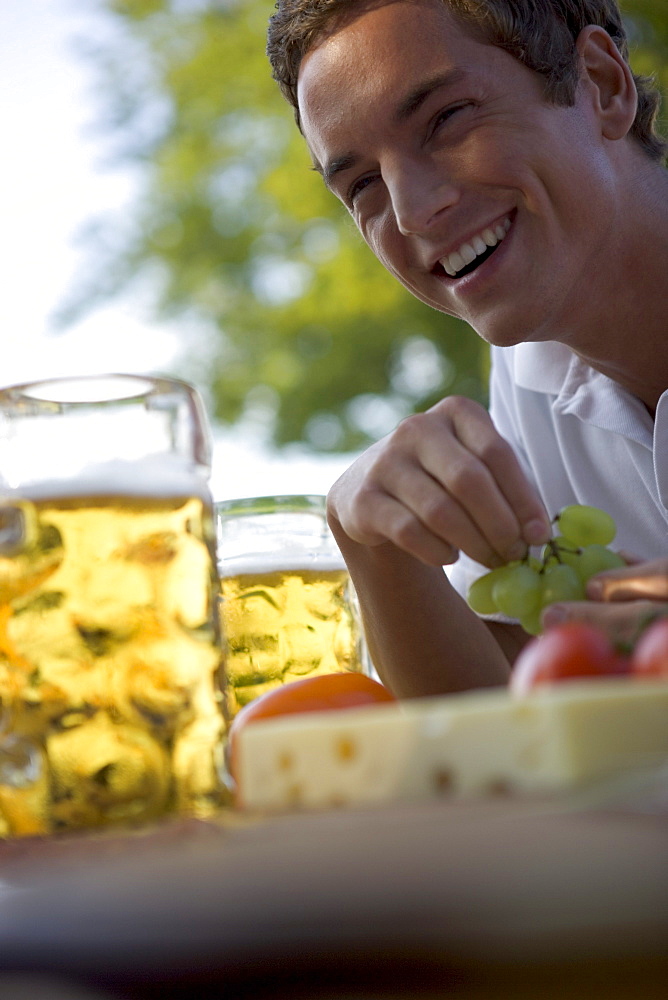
x=609, y=80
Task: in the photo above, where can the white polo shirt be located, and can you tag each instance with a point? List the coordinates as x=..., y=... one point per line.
x=581, y=438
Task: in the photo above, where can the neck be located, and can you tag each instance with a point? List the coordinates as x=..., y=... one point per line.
x=624, y=334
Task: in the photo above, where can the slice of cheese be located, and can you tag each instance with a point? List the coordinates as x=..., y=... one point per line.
x=477, y=743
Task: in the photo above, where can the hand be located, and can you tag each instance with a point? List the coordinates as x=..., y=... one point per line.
x=443, y=481
x=620, y=601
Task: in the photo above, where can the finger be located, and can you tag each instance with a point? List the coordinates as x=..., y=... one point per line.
x=647, y=581
x=378, y=518
x=409, y=471
x=623, y=622
x=479, y=471
x=497, y=455
x=411, y=534
x=629, y=557
x=441, y=517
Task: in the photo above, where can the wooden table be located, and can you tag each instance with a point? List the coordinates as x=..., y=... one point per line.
x=530, y=900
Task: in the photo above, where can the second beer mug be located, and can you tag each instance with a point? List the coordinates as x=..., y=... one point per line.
x=288, y=608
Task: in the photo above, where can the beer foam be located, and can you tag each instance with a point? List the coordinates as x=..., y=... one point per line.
x=154, y=476
x=259, y=563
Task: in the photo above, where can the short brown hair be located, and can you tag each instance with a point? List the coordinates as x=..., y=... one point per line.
x=541, y=34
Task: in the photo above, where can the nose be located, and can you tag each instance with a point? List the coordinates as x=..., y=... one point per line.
x=420, y=192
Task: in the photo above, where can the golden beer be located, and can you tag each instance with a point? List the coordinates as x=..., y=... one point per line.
x=110, y=660
x=288, y=608
x=284, y=624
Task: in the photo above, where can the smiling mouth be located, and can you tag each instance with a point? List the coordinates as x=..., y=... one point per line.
x=470, y=255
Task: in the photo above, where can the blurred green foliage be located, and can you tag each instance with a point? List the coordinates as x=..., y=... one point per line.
x=300, y=324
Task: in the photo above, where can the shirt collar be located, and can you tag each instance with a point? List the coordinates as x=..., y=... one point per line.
x=580, y=390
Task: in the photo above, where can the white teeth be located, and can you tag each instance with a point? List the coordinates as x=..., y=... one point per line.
x=468, y=252
x=456, y=261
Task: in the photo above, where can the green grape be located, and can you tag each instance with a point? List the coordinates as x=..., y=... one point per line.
x=522, y=589
x=595, y=559
x=561, y=550
x=561, y=583
x=531, y=623
x=479, y=595
x=517, y=591
x=583, y=525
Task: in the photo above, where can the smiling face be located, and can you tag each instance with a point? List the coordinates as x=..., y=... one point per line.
x=483, y=199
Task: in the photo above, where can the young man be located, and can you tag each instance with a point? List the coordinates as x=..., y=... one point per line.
x=499, y=159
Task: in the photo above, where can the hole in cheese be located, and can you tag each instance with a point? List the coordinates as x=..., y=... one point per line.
x=345, y=748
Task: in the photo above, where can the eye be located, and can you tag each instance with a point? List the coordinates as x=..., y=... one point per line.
x=360, y=185
x=444, y=116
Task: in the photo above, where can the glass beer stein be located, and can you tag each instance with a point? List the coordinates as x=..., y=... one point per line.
x=110, y=649
x=288, y=608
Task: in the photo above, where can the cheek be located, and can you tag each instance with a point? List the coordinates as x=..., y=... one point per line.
x=384, y=239
x=391, y=249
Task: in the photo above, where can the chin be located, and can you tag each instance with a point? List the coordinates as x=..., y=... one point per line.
x=502, y=338
x=510, y=333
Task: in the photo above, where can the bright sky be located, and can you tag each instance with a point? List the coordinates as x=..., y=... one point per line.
x=52, y=183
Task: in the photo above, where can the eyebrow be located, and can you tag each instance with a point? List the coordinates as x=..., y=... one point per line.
x=408, y=106
x=413, y=101
x=335, y=166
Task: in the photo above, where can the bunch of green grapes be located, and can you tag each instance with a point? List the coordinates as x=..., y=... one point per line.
x=578, y=550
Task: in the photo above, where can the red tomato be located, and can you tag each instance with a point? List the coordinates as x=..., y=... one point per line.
x=323, y=693
x=650, y=656
x=566, y=652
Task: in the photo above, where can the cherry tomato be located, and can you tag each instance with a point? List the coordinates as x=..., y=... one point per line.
x=566, y=652
x=323, y=693
x=650, y=655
